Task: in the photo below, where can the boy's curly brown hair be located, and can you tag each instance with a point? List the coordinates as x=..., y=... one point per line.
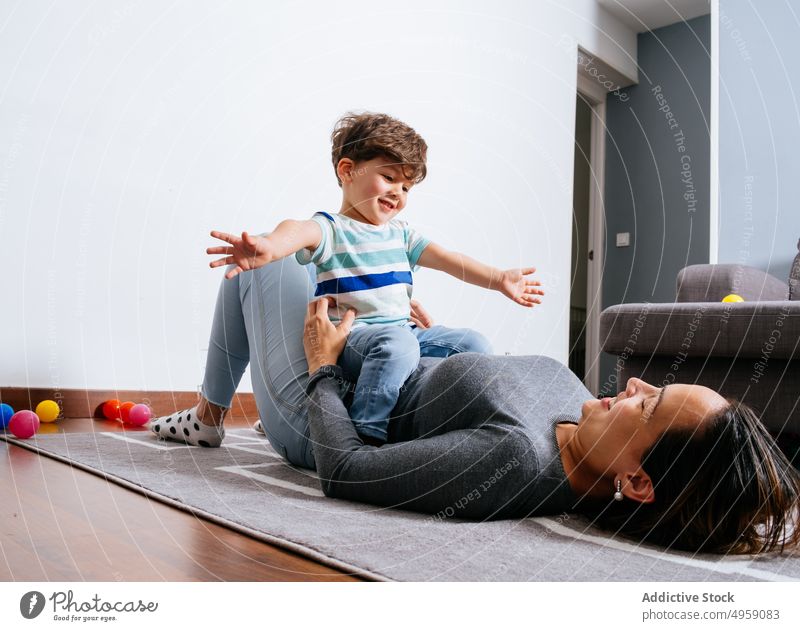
x=369, y=135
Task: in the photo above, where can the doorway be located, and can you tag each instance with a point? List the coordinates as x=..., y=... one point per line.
x=579, y=271
x=588, y=235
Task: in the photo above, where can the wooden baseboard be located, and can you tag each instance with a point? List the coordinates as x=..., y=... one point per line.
x=87, y=403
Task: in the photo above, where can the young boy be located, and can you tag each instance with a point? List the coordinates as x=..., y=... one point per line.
x=364, y=259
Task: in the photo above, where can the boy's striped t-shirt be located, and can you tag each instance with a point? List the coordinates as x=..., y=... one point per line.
x=365, y=267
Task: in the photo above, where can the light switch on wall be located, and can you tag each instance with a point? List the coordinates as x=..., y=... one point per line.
x=623, y=239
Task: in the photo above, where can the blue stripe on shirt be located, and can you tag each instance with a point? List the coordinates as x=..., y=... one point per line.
x=360, y=283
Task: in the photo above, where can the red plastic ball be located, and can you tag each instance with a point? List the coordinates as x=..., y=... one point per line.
x=24, y=424
x=111, y=410
x=139, y=414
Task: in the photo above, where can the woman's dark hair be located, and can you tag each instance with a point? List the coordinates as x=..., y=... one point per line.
x=362, y=137
x=725, y=488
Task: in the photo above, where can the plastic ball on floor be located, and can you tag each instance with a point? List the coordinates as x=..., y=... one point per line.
x=6, y=412
x=733, y=298
x=124, y=411
x=111, y=410
x=24, y=424
x=139, y=414
x=48, y=411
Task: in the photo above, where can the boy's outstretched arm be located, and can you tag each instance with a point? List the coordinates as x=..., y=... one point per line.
x=251, y=252
x=512, y=283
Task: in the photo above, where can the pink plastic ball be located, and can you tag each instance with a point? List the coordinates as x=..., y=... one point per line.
x=24, y=424
x=139, y=414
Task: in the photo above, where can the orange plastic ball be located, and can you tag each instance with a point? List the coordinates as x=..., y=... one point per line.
x=111, y=410
x=125, y=410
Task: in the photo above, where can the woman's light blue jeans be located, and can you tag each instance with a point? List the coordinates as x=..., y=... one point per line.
x=258, y=319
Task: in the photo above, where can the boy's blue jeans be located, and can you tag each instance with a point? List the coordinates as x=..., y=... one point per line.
x=378, y=359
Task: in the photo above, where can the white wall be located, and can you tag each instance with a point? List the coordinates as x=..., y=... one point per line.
x=129, y=130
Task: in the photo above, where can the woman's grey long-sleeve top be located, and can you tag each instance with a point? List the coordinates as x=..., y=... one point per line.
x=471, y=436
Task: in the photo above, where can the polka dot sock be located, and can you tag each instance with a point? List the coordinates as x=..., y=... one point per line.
x=185, y=427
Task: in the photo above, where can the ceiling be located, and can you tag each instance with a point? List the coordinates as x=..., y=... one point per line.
x=646, y=15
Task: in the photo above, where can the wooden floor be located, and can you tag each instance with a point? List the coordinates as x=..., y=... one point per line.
x=59, y=523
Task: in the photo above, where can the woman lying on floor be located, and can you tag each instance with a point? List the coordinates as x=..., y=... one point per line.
x=495, y=437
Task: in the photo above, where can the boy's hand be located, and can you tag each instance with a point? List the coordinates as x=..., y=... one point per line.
x=419, y=316
x=247, y=252
x=523, y=291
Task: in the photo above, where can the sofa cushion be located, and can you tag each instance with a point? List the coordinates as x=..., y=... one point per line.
x=711, y=283
x=769, y=329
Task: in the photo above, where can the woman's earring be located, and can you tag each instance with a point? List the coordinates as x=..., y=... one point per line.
x=618, y=494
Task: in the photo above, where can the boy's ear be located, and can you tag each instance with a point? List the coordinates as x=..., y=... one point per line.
x=345, y=169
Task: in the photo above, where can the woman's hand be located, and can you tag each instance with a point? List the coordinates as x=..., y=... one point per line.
x=247, y=252
x=322, y=340
x=419, y=316
x=523, y=291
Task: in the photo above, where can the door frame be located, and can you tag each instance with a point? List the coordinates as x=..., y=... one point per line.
x=595, y=94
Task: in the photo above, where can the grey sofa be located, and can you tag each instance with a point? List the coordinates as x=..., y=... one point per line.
x=748, y=350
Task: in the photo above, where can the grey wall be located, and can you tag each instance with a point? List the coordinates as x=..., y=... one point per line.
x=759, y=134
x=657, y=169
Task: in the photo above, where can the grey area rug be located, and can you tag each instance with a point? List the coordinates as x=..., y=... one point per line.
x=248, y=487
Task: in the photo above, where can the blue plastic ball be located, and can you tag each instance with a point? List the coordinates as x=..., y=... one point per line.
x=6, y=412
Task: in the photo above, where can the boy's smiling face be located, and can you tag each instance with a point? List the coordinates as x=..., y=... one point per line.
x=374, y=191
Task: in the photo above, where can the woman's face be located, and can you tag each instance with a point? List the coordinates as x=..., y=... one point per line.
x=615, y=433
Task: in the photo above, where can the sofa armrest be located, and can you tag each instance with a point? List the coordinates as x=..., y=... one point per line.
x=711, y=283
x=703, y=329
